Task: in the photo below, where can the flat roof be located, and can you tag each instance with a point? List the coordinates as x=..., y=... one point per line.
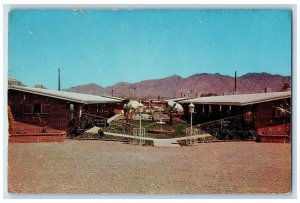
x=69, y=96
x=179, y=99
x=241, y=99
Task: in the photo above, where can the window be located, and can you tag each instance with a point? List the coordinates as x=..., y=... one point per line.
x=45, y=108
x=28, y=108
x=37, y=108
x=72, y=107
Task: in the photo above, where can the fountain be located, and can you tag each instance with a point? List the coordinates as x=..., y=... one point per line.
x=161, y=131
x=161, y=123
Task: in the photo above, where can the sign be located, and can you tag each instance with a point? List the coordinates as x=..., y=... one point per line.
x=99, y=122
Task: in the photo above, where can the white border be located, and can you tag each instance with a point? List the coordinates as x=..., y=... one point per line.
x=138, y=4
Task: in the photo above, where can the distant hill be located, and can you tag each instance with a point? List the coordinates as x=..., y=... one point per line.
x=91, y=88
x=194, y=85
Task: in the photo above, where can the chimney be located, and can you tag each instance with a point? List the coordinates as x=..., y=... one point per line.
x=58, y=79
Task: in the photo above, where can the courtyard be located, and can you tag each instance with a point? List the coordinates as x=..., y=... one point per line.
x=106, y=167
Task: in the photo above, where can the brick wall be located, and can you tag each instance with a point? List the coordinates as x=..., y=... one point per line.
x=56, y=118
x=271, y=128
x=268, y=123
x=41, y=137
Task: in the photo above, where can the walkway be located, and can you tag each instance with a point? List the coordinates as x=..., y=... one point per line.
x=115, y=117
x=172, y=142
x=165, y=143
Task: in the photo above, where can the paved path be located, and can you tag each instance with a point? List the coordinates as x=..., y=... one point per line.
x=115, y=117
x=165, y=143
x=172, y=142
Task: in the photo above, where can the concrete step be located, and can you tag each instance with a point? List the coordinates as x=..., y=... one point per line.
x=165, y=143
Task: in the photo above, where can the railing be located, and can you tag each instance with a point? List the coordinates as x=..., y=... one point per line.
x=230, y=128
x=122, y=128
x=140, y=132
x=190, y=132
x=93, y=120
x=77, y=125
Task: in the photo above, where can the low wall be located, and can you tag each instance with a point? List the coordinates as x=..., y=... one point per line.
x=273, y=138
x=38, y=137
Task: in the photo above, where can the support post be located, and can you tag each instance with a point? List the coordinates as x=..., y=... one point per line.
x=191, y=124
x=140, y=134
x=235, y=81
x=58, y=79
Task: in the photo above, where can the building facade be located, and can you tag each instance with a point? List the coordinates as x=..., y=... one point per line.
x=268, y=114
x=42, y=111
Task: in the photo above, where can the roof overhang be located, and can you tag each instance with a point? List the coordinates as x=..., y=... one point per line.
x=66, y=98
x=233, y=100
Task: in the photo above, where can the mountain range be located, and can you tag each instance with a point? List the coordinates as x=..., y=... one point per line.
x=195, y=85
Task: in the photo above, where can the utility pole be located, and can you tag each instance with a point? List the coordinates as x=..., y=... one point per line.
x=58, y=79
x=234, y=81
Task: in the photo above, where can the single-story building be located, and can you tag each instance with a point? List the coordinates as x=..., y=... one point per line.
x=268, y=114
x=38, y=112
x=179, y=99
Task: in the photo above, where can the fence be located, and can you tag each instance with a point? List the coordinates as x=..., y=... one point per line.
x=140, y=132
x=239, y=127
x=78, y=124
x=125, y=129
x=190, y=135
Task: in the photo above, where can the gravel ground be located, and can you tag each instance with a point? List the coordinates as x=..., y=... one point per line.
x=85, y=167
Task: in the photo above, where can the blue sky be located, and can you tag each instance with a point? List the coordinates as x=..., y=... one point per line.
x=110, y=46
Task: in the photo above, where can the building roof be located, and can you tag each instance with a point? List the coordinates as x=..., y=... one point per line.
x=111, y=97
x=241, y=99
x=69, y=96
x=179, y=99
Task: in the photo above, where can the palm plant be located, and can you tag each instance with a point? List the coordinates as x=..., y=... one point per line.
x=126, y=109
x=172, y=109
x=129, y=108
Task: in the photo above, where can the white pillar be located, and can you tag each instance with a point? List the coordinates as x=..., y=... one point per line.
x=191, y=123
x=140, y=134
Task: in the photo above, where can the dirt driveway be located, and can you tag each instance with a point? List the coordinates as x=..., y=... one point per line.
x=111, y=167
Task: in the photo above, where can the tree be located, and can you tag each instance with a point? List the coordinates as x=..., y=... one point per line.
x=126, y=109
x=130, y=107
x=172, y=109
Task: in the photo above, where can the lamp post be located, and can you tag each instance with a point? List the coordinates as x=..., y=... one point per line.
x=140, y=110
x=191, y=110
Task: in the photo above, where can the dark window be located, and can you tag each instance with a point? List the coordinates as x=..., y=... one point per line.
x=37, y=108
x=28, y=108
x=45, y=108
x=71, y=107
